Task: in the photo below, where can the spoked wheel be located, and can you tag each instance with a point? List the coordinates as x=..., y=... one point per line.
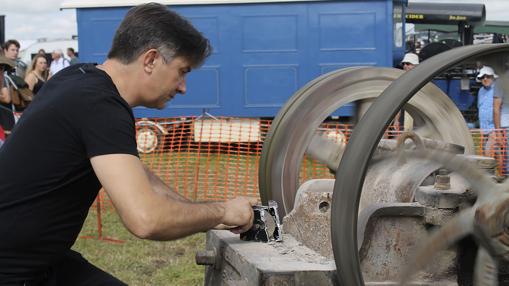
x=147, y=139
x=295, y=126
x=357, y=155
x=149, y=136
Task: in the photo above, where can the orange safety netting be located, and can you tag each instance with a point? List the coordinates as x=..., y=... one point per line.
x=217, y=158
x=207, y=159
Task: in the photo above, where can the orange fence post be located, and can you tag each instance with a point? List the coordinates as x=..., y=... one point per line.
x=98, y=208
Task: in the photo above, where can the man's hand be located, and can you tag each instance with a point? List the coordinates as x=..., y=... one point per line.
x=238, y=214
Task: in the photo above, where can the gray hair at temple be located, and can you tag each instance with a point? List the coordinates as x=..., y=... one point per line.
x=154, y=26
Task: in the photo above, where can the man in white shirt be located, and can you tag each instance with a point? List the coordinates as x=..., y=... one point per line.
x=58, y=63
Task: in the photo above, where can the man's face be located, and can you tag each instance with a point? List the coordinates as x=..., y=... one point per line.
x=55, y=55
x=487, y=80
x=408, y=66
x=11, y=52
x=165, y=81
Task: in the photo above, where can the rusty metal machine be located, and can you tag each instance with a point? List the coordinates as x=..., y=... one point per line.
x=421, y=209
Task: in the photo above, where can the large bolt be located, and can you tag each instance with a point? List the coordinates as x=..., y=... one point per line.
x=205, y=257
x=442, y=180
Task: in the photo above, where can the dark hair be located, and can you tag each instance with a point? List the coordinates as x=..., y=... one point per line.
x=154, y=26
x=11, y=42
x=71, y=50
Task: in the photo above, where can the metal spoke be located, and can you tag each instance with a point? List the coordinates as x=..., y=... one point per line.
x=486, y=269
x=325, y=151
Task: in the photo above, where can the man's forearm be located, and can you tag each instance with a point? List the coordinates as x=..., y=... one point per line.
x=496, y=113
x=179, y=219
x=186, y=218
x=161, y=188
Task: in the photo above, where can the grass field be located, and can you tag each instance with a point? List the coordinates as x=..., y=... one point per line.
x=141, y=262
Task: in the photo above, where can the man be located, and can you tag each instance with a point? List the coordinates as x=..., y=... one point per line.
x=7, y=120
x=72, y=56
x=502, y=88
x=11, y=51
x=410, y=60
x=5, y=110
x=79, y=135
x=489, y=102
x=58, y=63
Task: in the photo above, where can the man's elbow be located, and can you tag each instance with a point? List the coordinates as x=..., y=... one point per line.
x=144, y=226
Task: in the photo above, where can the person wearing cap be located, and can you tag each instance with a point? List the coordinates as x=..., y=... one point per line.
x=502, y=87
x=489, y=103
x=410, y=60
x=58, y=63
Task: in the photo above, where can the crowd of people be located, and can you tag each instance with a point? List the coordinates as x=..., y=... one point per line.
x=20, y=82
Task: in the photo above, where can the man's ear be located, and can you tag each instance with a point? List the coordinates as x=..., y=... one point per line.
x=149, y=59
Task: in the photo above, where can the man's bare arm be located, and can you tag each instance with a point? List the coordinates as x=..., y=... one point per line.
x=497, y=106
x=160, y=186
x=155, y=215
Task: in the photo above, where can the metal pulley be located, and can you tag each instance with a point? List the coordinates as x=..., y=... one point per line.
x=294, y=130
x=485, y=220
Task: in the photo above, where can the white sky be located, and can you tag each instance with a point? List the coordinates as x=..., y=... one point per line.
x=33, y=19
x=27, y=20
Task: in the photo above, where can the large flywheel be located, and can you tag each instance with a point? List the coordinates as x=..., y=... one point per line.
x=435, y=116
x=352, y=170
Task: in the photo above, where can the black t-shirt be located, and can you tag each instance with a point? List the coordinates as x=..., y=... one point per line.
x=6, y=116
x=47, y=183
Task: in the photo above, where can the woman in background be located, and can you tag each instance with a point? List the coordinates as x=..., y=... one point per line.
x=37, y=74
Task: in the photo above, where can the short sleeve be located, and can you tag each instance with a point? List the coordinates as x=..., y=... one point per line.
x=498, y=92
x=109, y=128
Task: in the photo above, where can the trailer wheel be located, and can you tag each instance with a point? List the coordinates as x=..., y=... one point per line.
x=148, y=139
x=149, y=135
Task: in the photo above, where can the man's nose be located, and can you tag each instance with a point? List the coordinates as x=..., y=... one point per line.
x=181, y=88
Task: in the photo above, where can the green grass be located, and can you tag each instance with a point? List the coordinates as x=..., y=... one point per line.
x=141, y=262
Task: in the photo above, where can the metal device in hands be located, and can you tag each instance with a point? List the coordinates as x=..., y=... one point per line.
x=266, y=225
